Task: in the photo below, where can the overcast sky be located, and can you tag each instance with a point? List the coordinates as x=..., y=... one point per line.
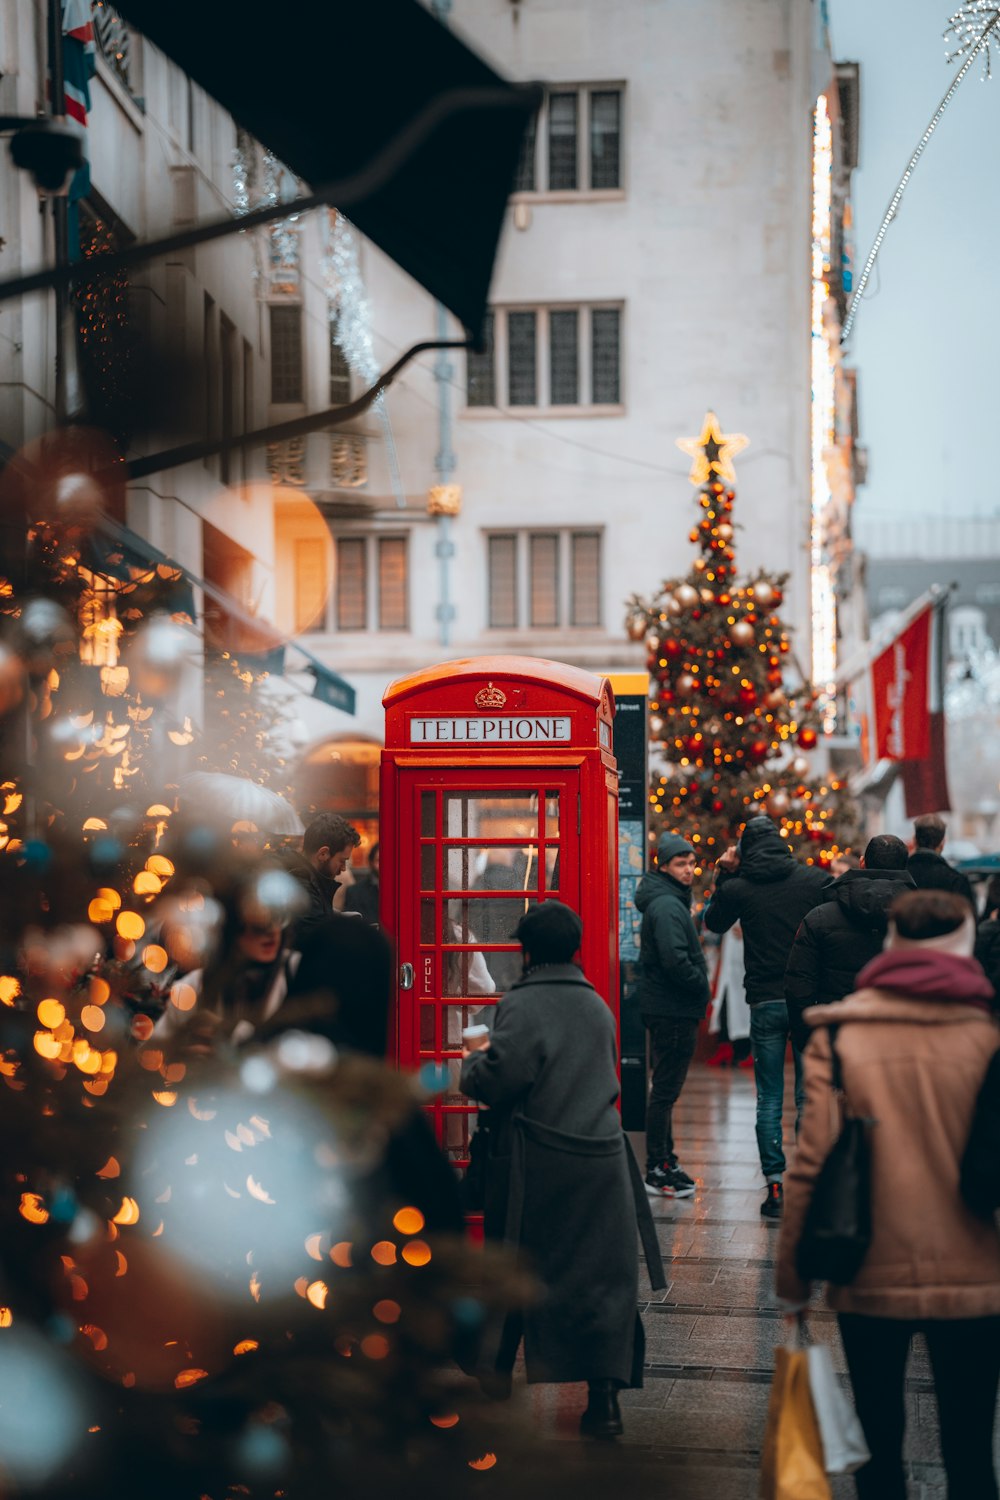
x=927, y=340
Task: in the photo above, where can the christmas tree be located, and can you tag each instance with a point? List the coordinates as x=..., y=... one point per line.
x=730, y=727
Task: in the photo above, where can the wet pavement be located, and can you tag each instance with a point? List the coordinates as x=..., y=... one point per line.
x=694, y=1431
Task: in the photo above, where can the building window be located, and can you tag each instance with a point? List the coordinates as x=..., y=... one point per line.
x=352, y=583
x=564, y=142
x=340, y=370
x=480, y=380
x=551, y=357
x=502, y=582
x=524, y=179
x=393, y=607
x=286, y=353
x=372, y=583
x=311, y=584
x=575, y=143
x=543, y=579
x=605, y=356
x=557, y=574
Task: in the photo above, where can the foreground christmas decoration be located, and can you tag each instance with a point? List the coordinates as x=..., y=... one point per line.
x=213, y=1280
x=734, y=735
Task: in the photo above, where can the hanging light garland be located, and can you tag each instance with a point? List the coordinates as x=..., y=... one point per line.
x=970, y=41
x=972, y=30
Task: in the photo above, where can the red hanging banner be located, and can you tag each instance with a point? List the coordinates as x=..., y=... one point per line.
x=900, y=693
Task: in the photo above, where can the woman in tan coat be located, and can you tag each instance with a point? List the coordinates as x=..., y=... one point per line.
x=914, y=1043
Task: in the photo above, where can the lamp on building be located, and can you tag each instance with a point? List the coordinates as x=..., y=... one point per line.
x=444, y=500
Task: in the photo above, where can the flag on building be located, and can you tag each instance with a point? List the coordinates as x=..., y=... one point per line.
x=908, y=710
x=79, y=67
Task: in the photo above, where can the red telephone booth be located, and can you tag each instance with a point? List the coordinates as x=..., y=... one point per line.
x=499, y=789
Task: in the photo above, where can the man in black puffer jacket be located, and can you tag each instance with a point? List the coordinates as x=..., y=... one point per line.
x=837, y=939
x=673, y=994
x=761, y=886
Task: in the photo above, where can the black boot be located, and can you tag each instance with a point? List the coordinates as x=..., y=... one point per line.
x=602, y=1419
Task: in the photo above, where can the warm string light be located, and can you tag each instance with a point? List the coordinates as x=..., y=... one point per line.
x=824, y=359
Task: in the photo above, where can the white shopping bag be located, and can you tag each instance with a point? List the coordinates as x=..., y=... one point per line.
x=844, y=1446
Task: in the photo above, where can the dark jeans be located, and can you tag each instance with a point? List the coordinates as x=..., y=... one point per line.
x=965, y=1360
x=671, y=1045
x=769, y=1035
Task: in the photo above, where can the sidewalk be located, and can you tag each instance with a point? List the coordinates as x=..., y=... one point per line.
x=694, y=1431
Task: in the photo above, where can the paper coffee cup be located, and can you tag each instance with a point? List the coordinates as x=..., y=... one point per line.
x=473, y=1034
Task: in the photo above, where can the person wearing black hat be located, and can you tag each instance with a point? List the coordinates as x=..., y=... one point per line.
x=561, y=1184
x=673, y=995
x=759, y=884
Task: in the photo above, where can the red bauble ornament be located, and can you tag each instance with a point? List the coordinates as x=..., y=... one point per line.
x=758, y=750
x=671, y=647
x=748, y=696
x=807, y=738
x=718, y=807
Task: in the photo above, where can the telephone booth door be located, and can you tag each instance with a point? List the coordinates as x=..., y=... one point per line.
x=499, y=789
x=473, y=859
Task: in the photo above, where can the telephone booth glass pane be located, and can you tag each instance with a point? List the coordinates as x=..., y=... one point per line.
x=479, y=859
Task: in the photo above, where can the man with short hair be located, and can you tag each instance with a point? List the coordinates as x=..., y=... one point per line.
x=837, y=939
x=760, y=885
x=362, y=896
x=326, y=849
x=929, y=869
x=673, y=994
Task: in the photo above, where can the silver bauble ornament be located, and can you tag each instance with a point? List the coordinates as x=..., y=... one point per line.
x=157, y=657
x=45, y=636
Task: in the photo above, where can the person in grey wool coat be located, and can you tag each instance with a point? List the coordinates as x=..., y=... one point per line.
x=562, y=1187
x=673, y=995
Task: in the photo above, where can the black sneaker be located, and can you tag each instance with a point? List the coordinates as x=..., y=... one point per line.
x=683, y=1185
x=774, y=1204
x=658, y=1180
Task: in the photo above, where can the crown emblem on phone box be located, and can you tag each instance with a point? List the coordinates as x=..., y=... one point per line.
x=490, y=697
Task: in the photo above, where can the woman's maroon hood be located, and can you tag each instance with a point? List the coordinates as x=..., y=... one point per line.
x=925, y=974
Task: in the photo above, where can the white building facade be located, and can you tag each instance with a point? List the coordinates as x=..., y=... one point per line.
x=655, y=264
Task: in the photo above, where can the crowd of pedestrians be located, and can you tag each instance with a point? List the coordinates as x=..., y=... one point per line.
x=867, y=977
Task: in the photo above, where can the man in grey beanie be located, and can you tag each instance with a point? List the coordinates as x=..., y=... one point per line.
x=673, y=994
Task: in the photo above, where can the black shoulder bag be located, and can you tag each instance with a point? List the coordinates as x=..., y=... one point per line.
x=838, y=1225
x=980, y=1179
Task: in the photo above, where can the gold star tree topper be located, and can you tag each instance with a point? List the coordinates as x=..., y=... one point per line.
x=713, y=451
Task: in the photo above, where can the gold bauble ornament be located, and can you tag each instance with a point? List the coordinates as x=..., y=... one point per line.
x=686, y=596
x=685, y=683
x=635, y=627
x=742, y=633
x=763, y=593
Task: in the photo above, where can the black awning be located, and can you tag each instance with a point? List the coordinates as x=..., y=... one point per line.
x=329, y=87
